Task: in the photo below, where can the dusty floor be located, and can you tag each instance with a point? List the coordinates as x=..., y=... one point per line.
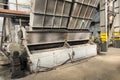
x=104, y=67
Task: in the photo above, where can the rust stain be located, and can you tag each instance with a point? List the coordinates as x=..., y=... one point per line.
x=13, y=12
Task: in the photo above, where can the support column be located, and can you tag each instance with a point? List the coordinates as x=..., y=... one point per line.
x=117, y=30
x=104, y=24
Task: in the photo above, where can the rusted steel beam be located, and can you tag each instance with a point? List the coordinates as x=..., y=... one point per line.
x=12, y=13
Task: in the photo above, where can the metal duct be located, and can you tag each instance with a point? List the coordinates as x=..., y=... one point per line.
x=50, y=13
x=69, y=14
x=82, y=14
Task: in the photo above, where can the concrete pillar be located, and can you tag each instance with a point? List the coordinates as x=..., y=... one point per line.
x=103, y=25
x=117, y=31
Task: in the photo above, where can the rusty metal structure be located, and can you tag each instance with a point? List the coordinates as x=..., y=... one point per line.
x=56, y=23
x=53, y=33
x=68, y=17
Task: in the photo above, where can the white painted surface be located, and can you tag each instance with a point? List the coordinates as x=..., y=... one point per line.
x=57, y=57
x=24, y=5
x=1, y=24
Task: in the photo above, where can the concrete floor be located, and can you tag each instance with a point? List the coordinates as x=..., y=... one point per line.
x=104, y=67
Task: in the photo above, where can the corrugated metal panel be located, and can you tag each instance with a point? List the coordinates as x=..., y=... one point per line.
x=82, y=14
x=61, y=14
x=56, y=13
x=53, y=13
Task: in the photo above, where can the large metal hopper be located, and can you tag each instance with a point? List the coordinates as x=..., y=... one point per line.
x=71, y=14
x=60, y=20
x=59, y=32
